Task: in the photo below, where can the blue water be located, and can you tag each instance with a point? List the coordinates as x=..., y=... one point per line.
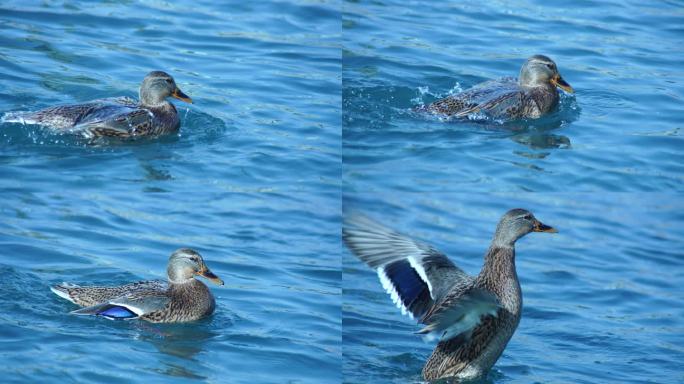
x=252, y=181
x=301, y=107
x=620, y=131
x=602, y=299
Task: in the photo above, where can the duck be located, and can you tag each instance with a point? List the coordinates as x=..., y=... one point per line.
x=471, y=317
x=120, y=117
x=532, y=95
x=180, y=299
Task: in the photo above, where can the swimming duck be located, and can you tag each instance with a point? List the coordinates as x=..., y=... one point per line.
x=473, y=317
x=120, y=117
x=183, y=298
x=532, y=95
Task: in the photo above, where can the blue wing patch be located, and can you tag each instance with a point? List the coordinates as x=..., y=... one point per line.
x=116, y=312
x=413, y=291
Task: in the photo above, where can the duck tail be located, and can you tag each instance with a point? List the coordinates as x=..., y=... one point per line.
x=62, y=290
x=21, y=117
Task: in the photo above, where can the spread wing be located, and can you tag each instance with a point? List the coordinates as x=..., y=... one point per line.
x=422, y=282
x=129, y=306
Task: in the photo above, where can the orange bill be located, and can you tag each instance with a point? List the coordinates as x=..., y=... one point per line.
x=541, y=227
x=178, y=94
x=562, y=84
x=206, y=273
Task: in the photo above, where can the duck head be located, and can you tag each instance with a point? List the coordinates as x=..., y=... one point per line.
x=157, y=86
x=540, y=70
x=515, y=224
x=185, y=263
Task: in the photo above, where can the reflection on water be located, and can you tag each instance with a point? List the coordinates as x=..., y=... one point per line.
x=532, y=133
x=389, y=142
x=180, y=341
x=540, y=140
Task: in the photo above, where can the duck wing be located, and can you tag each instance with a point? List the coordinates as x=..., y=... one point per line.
x=87, y=296
x=70, y=115
x=496, y=98
x=422, y=281
x=459, y=314
x=129, y=306
x=115, y=120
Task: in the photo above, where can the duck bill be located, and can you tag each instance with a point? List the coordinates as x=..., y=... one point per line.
x=541, y=227
x=178, y=94
x=209, y=275
x=562, y=84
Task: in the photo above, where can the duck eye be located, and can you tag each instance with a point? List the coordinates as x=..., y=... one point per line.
x=527, y=217
x=549, y=66
x=169, y=81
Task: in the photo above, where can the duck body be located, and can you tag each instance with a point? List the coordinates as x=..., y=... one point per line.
x=189, y=301
x=472, y=317
x=531, y=95
x=471, y=357
x=120, y=117
x=181, y=299
x=499, y=99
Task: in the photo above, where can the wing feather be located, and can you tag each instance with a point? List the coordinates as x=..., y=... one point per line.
x=421, y=281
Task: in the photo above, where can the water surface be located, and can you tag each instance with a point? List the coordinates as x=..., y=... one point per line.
x=602, y=298
x=620, y=131
x=251, y=181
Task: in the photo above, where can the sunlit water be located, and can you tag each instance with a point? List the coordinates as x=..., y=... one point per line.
x=620, y=131
x=251, y=181
x=602, y=298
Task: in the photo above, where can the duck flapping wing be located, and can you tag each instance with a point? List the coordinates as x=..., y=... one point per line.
x=422, y=281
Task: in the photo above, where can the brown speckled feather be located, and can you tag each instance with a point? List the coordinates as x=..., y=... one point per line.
x=133, y=123
x=158, y=301
x=182, y=298
x=498, y=99
x=486, y=342
x=120, y=117
x=87, y=296
x=189, y=301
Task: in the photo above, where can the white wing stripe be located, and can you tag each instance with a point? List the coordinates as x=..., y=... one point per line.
x=136, y=310
x=418, y=267
x=392, y=291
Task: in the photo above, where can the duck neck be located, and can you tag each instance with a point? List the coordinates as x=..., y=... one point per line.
x=545, y=86
x=151, y=99
x=180, y=281
x=179, y=275
x=498, y=271
x=189, y=285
